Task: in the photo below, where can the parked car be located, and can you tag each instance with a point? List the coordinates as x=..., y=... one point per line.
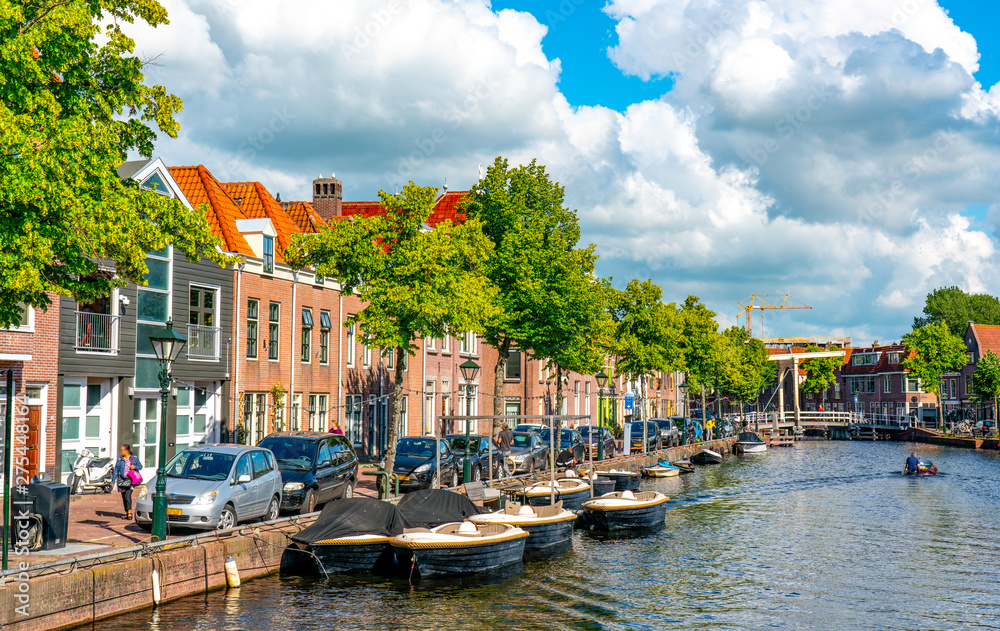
x=697, y=414
x=651, y=441
x=590, y=440
x=416, y=464
x=215, y=486
x=479, y=454
x=984, y=428
x=568, y=439
x=528, y=453
x=669, y=434
x=529, y=427
x=316, y=467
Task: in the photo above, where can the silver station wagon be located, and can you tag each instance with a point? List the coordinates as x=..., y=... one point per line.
x=215, y=486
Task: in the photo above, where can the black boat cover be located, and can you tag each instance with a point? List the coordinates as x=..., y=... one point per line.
x=353, y=517
x=433, y=507
x=749, y=437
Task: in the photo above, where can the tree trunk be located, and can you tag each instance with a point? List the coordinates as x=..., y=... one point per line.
x=397, y=411
x=559, y=392
x=499, y=374
x=940, y=412
x=704, y=412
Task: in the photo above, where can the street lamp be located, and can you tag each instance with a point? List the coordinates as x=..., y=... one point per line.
x=469, y=370
x=684, y=387
x=602, y=380
x=167, y=346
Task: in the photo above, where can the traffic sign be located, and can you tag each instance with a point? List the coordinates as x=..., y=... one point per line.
x=629, y=402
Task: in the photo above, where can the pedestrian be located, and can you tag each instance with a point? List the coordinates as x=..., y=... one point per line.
x=336, y=429
x=504, y=440
x=126, y=473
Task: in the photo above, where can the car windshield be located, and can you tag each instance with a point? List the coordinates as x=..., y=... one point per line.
x=663, y=424
x=521, y=439
x=638, y=426
x=585, y=431
x=418, y=447
x=565, y=437
x=291, y=452
x=458, y=444
x=525, y=428
x=200, y=465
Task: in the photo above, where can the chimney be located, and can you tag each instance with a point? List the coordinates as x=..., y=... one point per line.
x=328, y=196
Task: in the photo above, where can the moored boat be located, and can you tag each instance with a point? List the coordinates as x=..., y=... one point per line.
x=550, y=528
x=684, y=466
x=749, y=443
x=661, y=470
x=706, y=456
x=624, y=480
x=459, y=548
x=353, y=536
x=626, y=512
x=570, y=491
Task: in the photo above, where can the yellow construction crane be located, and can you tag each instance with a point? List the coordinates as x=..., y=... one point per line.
x=757, y=302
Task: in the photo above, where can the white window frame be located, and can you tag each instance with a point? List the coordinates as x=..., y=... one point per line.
x=349, y=346
x=27, y=324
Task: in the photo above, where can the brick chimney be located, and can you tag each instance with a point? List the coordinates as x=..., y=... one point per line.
x=328, y=196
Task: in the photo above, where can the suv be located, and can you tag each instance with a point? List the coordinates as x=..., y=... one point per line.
x=670, y=435
x=652, y=441
x=215, y=486
x=316, y=467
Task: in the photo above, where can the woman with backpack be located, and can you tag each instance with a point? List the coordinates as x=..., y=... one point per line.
x=126, y=476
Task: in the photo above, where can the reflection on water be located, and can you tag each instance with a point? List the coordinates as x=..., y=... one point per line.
x=822, y=535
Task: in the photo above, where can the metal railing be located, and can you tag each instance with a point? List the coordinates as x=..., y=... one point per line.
x=203, y=341
x=96, y=332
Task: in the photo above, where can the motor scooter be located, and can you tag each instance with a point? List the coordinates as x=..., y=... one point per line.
x=91, y=473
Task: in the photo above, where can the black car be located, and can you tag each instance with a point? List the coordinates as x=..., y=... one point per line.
x=528, y=453
x=652, y=440
x=315, y=468
x=479, y=455
x=416, y=464
x=669, y=434
x=590, y=440
x=568, y=439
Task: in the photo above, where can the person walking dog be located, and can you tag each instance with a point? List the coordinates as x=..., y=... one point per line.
x=126, y=476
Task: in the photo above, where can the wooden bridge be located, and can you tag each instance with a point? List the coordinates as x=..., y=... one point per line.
x=786, y=419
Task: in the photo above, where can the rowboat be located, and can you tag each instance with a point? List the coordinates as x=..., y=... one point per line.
x=550, y=528
x=749, y=443
x=570, y=491
x=661, y=470
x=707, y=456
x=624, y=480
x=626, y=512
x=459, y=548
x=684, y=466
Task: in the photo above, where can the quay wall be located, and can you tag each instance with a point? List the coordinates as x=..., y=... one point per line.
x=71, y=595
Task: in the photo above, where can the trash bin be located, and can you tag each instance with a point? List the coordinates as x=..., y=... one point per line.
x=50, y=502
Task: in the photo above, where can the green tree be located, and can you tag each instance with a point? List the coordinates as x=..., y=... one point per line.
x=935, y=351
x=416, y=283
x=986, y=379
x=647, y=333
x=744, y=370
x=546, y=303
x=957, y=308
x=699, y=344
x=820, y=372
x=73, y=105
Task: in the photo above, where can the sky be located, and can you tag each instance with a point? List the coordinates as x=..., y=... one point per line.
x=841, y=151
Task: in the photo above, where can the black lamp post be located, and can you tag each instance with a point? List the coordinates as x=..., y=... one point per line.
x=167, y=346
x=602, y=380
x=684, y=392
x=469, y=370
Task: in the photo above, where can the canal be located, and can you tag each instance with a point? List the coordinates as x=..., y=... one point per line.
x=822, y=535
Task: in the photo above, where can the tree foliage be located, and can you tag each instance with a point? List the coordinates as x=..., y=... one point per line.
x=957, y=308
x=936, y=352
x=73, y=105
x=986, y=378
x=742, y=365
x=820, y=372
x=699, y=344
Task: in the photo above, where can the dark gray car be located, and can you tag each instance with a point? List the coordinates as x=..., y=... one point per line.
x=527, y=453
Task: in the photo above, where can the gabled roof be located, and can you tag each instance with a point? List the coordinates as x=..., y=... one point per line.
x=988, y=336
x=257, y=203
x=201, y=187
x=883, y=365
x=304, y=216
x=362, y=209
x=446, y=208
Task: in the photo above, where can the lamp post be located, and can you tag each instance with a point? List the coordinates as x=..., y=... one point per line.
x=167, y=346
x=602, y=380
x=469, y=370
x=684, y=392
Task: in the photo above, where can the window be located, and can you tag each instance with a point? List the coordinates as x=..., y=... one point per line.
x=429, y=406
x=864, y=359
x=951, y=388
x=252, y=316
x=25, y=320
x=366, y=355
x=836, y=388
x=268, y=255
x=586, y=398
x=855, y=385
x=468, y=346
x=321, y=407
x=202, y=303
x=390, y=359
x=312, y=413
x=307, y=328
x=401, y=430
x=913, y=385
x=446, y=344
x=296, y=418
x=274, y=319
x=870, y=384
x=895, y=357
x=968, y=384
x=350, y=344
x=324, y=337
x=467, y=400
x=352, y=417
x=887, y=384
x=576, y=397
x=152, y=313
x=260, y=464
x=203, y=335
x=513, y=369
x=430, y=342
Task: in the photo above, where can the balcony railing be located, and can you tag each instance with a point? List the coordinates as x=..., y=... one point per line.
x=203, y=342
x=96, y=332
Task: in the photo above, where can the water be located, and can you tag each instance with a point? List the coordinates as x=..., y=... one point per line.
x=822, y=535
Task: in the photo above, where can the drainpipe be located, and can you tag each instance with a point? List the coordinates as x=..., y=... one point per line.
x=422, y=401
x=340, y=358
x=290, y=401
x=236, y=363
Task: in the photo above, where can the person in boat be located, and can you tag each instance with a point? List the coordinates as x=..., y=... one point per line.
x=912, y=463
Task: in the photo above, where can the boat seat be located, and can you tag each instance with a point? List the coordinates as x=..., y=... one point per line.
x=645, y=496
x=549, y=511
x=408, y=531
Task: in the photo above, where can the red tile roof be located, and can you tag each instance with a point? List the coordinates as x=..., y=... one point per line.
x=304, y=216
x=257, y=203
x=446, y=208
x=988, y=336
x=201, y=187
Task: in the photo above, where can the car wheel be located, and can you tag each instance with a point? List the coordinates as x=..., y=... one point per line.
x=531, y=466
x=272, y=510
x=308, y=503
x=435, y=482
x=477, y=474
x=227, y=518
x=74, y=484
x=348, y=491
x=454, y=478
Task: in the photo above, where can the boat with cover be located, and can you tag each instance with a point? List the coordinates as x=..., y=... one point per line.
x=749, y=443
x=625, y=512
x=459, y=548
x=550, y=527
x=925, y=467
x=353, y=535
x=661, y=470
x=684, y=466
x=570, y=491
x=707, y=456
x=624, y=480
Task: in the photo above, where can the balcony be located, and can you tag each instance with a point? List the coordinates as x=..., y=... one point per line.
x=96, y=333
x=203, y=342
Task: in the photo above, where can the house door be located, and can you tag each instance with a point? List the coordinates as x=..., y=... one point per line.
x=145, y=430
x=34, y=439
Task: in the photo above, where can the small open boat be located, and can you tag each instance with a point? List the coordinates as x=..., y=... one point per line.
x=624, y=480
x=661, y=470
x=459, y=548
x=707, y=456
x=684, y=466
x=570, y=491
x=749, y=443
x=925, y=467
x=626, y=511
x=353, y=536
x=550, y=527
x=600, y=483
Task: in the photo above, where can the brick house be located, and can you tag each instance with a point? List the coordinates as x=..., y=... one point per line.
x=979, y=338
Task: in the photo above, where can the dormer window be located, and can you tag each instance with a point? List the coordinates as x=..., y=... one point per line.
x=268, y=254
x=155, y=183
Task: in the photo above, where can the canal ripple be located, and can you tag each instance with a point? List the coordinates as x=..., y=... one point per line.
x=819, y=536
